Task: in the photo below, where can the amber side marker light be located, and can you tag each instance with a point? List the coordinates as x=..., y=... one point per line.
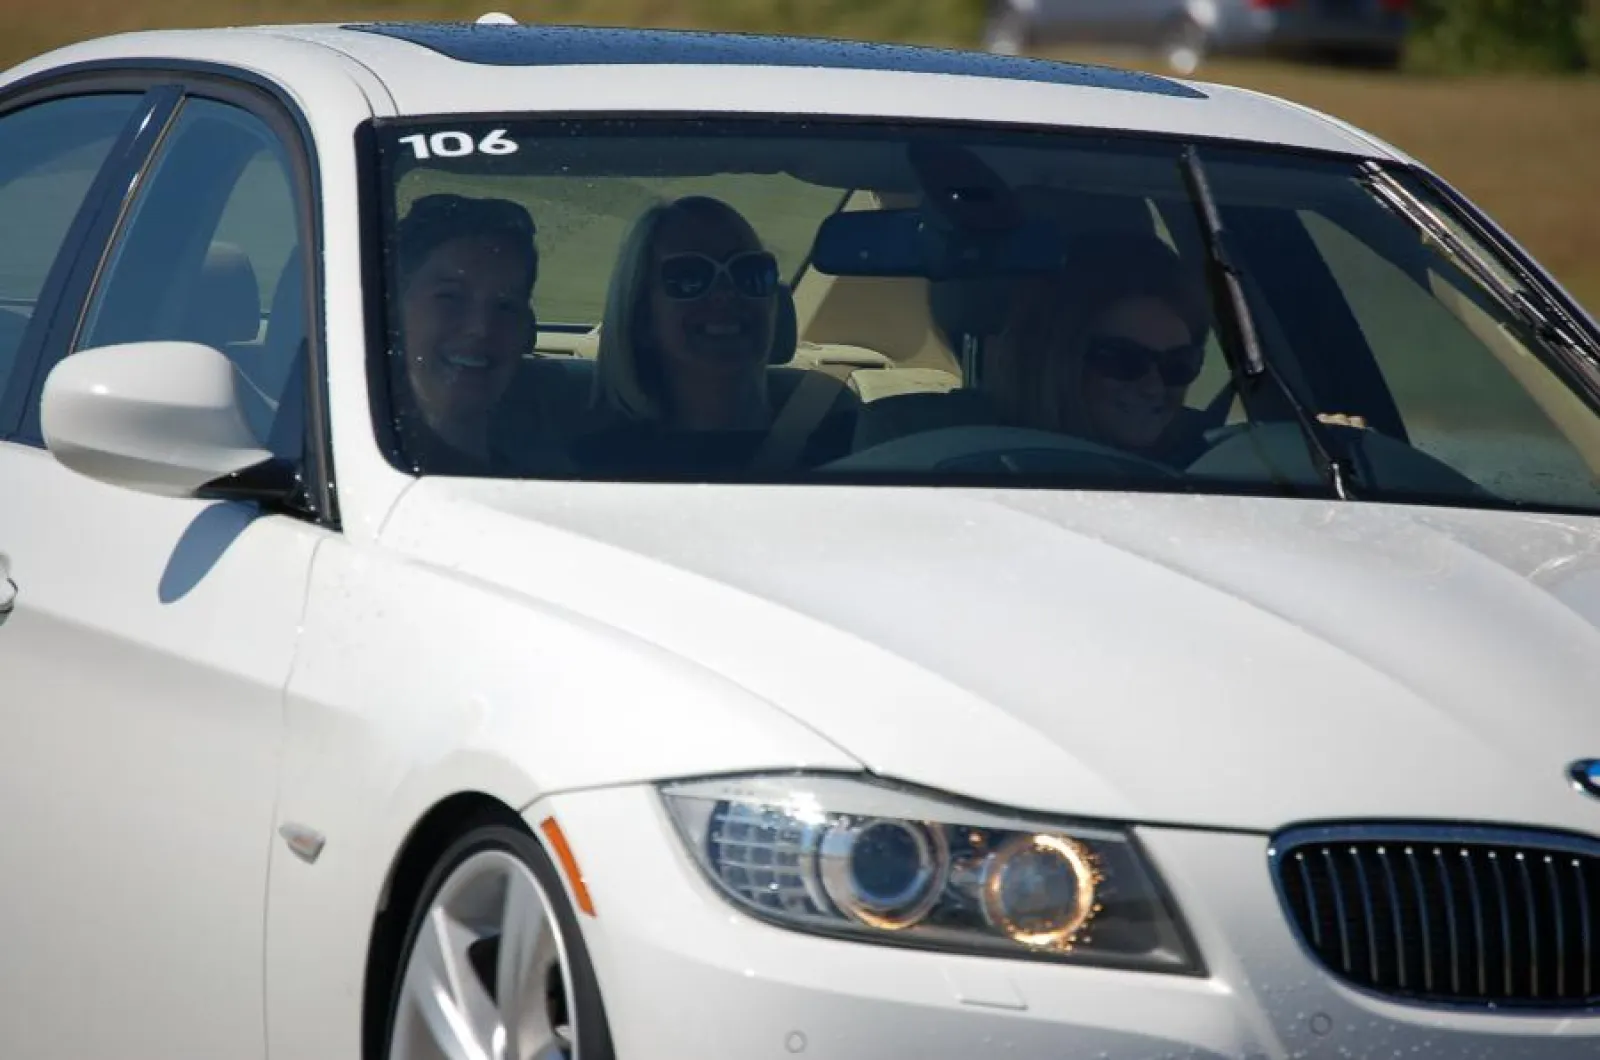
x=569, y=864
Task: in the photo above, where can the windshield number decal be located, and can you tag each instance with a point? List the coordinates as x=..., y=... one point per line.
x=452, y=143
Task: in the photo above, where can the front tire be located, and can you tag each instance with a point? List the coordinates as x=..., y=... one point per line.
x=494, y=963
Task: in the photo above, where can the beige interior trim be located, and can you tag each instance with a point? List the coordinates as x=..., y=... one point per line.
x=884, y=314
x=569, y=344
x=813, y=288
x=871, y=385
x=1576, y=422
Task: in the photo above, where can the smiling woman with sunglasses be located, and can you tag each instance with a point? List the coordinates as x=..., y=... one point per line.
x=1109, y=350
x=691, y=326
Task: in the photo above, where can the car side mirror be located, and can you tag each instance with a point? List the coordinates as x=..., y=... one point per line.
x=158, y=417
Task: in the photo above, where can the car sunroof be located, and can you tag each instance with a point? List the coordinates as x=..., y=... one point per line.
x=506, y=45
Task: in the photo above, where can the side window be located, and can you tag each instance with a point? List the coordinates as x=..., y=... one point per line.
x=210, y=253
x=50, y=154
x=1470, y=393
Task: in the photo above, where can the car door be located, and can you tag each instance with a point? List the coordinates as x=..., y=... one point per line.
x=150, y=639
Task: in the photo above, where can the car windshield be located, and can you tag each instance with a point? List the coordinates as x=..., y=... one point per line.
x=847, y=302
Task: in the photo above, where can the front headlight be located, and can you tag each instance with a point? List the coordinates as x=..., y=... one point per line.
x=842, y=857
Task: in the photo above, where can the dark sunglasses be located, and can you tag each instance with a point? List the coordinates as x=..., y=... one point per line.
x=1126, y=361
x=685, y=277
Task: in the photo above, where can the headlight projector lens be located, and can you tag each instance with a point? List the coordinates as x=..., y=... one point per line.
x=884, y=873
x=1040, y=890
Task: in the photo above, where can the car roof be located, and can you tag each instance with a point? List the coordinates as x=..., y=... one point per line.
x=448, y=68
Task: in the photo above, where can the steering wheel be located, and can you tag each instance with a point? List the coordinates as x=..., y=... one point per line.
x=1008, y=450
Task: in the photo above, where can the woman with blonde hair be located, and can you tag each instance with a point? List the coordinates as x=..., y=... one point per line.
x=1107, y=350
x=692, y=321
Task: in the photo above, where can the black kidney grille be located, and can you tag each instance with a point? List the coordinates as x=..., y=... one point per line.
x=1502, y=922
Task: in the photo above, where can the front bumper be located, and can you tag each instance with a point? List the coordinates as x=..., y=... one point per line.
x=684, y=974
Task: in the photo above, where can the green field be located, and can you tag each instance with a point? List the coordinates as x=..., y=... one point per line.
x=1527, y=149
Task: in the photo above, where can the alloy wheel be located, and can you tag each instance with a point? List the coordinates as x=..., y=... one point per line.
x=487, y=976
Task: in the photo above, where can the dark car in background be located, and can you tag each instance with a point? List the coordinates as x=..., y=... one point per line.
x=1184, y=32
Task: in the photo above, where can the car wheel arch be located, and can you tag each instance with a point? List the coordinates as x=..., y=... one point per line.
x=429, y=838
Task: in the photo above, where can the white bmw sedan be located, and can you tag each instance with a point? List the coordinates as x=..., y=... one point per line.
x=545, y=542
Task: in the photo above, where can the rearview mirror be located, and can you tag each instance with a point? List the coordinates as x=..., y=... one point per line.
x=158, y=417
x=915, y=244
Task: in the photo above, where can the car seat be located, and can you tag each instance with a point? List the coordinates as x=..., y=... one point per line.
x=557, y=393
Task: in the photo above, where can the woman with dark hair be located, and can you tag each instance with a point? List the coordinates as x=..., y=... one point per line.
x=1108, y=350
x=465, y=271
x=692, y=321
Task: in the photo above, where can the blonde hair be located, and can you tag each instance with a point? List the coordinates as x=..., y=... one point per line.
x=1035, y=367
x=628, y=372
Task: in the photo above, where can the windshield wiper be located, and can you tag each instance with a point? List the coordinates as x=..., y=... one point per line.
x=1527, y=304
x=1242, y=344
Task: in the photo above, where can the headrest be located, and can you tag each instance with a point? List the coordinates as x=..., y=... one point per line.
x=976, y=306
x=785, y=328
x=280, y=371
x=225, y=305
x=286, y=325
x=981, y=305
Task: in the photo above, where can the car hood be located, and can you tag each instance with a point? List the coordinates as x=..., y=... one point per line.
x=1214, y=661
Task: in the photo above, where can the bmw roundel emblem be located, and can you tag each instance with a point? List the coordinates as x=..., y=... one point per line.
x=1586, y=776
